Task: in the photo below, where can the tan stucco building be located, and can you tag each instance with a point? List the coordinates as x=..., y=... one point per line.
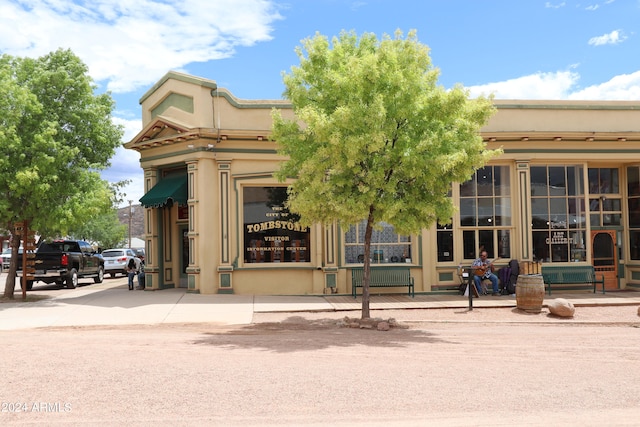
x=565, y=190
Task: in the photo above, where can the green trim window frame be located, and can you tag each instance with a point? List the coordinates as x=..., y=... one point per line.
x=558, y=214
x=485, y=213
x=386, y=245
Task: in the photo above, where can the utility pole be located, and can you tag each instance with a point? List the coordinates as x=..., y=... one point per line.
x=130, y=215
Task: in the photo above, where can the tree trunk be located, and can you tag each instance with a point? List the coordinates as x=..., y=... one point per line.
x=10, y=282
x=366, y=274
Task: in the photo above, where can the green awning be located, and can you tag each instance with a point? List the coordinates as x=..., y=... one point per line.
x=170, y=190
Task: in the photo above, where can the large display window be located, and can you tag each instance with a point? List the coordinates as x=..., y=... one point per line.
x=633, y=191
x=485, y=213
x=272, y=234
x=558, y=214
x=386, y=245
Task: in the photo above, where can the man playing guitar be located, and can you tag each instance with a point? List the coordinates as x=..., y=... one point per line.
x=483, y=269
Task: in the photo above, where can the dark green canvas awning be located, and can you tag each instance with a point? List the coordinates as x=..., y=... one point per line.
x=170, y=190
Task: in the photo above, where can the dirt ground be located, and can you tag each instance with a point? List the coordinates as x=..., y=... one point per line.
x=610, y=315
x=447, y=368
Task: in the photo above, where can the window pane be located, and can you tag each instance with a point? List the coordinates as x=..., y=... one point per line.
x=633, y=181
x=574, y=181
x=634, y=240
x=634, y=212
x=501, y=181
x=576, y=213
x=540, y=213
x=611, y=205
x=504, y=244
x=557, y=181
x=485, y=181
x=503, y=211
x=485, y=212
x=539, y=186
x=577, y=247
x=558, y=213
x=540, y=246
x=468, y=211
x=350, y=236
x=445, y=245
x=609, y=181
x=611, y=219
x=468, y=188
x=560, y=252
x=486, y=242
x=594, y=180
x=469, y=244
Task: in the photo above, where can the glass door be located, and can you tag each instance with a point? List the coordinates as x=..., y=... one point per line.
x=603, y=243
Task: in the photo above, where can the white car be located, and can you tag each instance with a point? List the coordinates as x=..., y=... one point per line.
x=116, y=260
x=6, y=259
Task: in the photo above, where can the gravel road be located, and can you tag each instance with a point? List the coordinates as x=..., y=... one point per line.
x=488, y=367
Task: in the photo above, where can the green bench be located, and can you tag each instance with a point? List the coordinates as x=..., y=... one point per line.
x=577, y=276
x=383, y=277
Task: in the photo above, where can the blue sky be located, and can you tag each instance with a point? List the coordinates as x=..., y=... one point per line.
x=526, y=49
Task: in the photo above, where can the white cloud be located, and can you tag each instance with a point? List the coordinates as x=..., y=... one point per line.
x=562, y=85
x=550, y=5
x=592, y=7
x=125, y=164
x=131, y=44
x=614, y=37
x=625, y=87
x=535, y=86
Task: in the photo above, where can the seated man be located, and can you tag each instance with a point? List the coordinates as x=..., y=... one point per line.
x=483, y=269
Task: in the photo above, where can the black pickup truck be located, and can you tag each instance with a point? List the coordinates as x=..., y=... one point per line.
x=64, y=261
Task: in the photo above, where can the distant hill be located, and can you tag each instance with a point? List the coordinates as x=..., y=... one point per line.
x=137, y=219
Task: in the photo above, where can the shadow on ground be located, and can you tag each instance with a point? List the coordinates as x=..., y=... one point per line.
x=298, y=333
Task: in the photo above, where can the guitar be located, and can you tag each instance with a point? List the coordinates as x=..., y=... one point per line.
x=480, y=270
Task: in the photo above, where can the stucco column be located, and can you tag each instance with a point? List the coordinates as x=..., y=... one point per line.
x=152, y=231
x=204, y=226
x=524, y=199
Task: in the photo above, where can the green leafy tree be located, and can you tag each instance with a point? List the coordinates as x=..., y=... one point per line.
x=55, y=136
x=105, y=229
x=375, y=138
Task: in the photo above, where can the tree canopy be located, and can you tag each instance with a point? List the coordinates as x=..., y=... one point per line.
x=56, y=134
x=375, y=137
x=105, y=229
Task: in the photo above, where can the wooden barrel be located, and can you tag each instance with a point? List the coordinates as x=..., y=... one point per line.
x=530, y=293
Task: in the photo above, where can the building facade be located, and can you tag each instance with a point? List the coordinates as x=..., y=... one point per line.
x=565, y=190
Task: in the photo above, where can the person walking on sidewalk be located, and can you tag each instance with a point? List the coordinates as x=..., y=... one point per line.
x=132, y=269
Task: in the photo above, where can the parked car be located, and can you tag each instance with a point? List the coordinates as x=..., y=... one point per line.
x=6, y=257
x=64, y=262
x=116, y=260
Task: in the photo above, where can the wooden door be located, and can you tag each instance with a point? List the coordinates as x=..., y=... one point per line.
x=605, y=259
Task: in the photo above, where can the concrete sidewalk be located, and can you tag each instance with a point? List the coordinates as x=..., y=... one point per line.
x=111, y=303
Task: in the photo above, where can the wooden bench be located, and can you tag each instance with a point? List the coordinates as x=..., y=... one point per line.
x=383, y=277
x=573, y=275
